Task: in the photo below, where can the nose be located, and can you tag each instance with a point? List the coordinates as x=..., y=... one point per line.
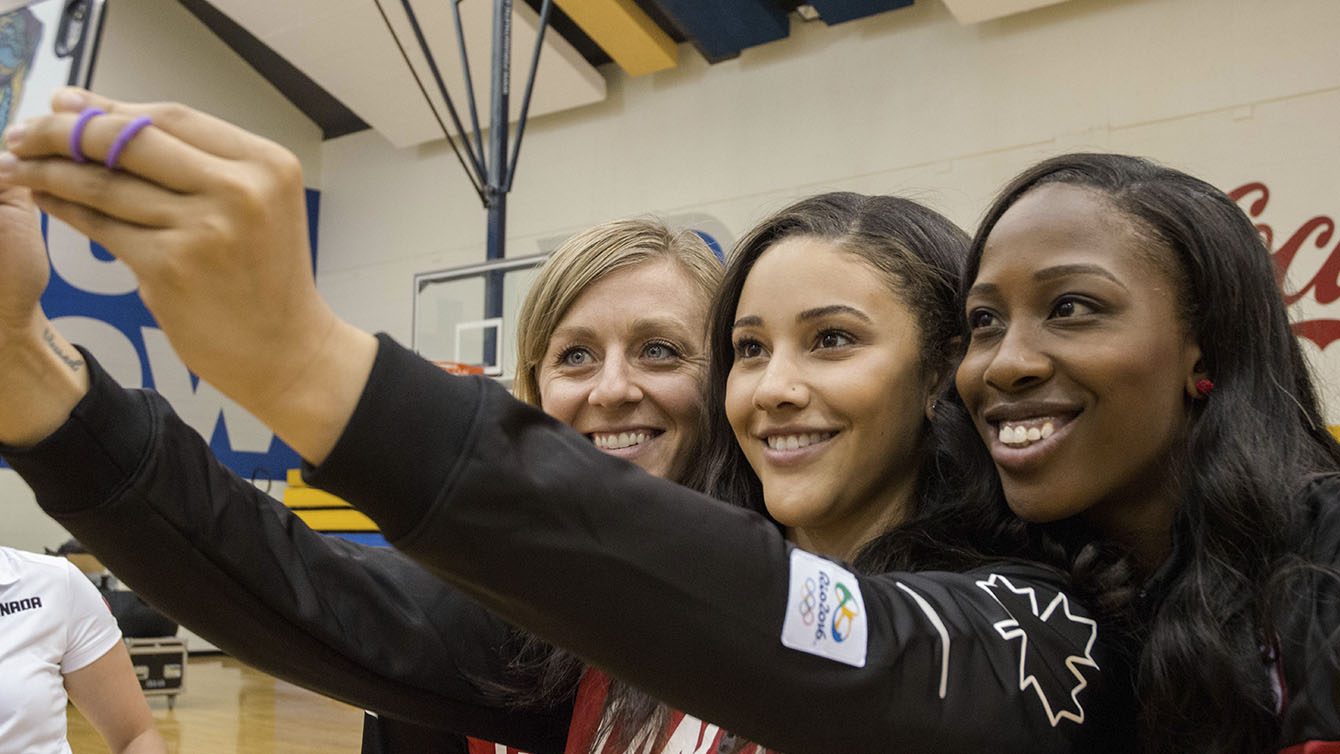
x=781, y=384
x=1017, y=362
x=615, y=385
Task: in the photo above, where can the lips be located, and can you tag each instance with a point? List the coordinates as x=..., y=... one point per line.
x=791, y=446
x=1018, y=434
x=1023, y=434
x=797, y=440
x=627, y=440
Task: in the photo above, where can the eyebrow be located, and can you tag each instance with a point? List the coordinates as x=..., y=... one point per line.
x=649, y=324
x=807, y=315
x=570, y=331
x=1052, y=273
x=1065, y=270
x=638, y=326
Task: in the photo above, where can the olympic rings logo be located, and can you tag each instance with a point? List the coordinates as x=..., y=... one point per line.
x=844, y=614
x=808, y=601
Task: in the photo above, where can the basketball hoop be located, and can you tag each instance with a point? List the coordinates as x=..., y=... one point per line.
x=456, y=367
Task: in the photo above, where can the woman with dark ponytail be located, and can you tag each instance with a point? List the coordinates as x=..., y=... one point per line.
x=1131, y=367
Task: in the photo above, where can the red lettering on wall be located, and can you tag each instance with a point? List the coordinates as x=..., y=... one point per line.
x=1324, y=285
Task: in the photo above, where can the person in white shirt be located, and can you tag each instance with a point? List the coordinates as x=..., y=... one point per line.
x=60, y=643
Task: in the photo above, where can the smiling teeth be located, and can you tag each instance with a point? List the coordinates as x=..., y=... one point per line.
x=1017, y=435
x=795, y=442
x=621, y=440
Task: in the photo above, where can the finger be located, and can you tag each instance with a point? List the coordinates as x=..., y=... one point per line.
x=150, y=152
x=205, y=132
x=20, y=197
x=126, y=241
x=110, y=192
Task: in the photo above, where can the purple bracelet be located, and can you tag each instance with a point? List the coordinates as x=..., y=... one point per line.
x=123, y=138
x=77, y=133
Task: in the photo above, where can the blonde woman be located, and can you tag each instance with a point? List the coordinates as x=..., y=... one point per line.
x=610, y=341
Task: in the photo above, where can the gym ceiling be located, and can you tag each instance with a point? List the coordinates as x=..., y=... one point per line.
x=356, y=64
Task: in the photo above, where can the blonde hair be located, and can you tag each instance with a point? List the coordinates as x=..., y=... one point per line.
x=589, y=256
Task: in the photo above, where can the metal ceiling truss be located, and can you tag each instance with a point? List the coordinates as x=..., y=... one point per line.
x=490, y=170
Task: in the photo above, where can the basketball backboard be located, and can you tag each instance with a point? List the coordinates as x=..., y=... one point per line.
x=457, y=320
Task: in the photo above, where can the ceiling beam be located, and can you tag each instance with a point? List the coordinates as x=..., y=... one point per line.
x=837, y=11
x=720, y=29
x=327, y=112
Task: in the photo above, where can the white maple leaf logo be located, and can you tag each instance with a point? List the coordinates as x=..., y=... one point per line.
x=1040, y=673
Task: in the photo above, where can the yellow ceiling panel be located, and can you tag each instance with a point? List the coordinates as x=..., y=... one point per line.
x=625, y=33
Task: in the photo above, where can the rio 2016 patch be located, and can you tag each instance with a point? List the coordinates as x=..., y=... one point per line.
x=825, y=614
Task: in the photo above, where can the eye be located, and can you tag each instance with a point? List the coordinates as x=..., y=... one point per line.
x=981, y=318
x=575, y=356
x=1071, y=306
x=748, y=349
x=660, y=351
x=833, y=339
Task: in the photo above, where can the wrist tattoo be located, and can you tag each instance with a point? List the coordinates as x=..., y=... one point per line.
x=75, y=364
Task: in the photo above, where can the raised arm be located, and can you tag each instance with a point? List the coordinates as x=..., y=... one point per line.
x=211, y=220
x=41, y=375
x=704, y=604
x=141, y=489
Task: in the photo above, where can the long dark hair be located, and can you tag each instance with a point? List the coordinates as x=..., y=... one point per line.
x=919, y=252
x=1249, y=450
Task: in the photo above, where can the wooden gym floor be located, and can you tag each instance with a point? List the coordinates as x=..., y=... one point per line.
x=229, y=708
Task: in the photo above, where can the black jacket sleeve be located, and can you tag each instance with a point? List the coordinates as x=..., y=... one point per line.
x=688, y=597
x=366, y=625
x=384, y=735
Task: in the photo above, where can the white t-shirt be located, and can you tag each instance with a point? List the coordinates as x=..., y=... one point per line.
x=52, y=622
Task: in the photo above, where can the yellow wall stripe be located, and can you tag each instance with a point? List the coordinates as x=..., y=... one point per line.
x=625, y=33
x=321, y=510
x=340, y=519
x=298, y=498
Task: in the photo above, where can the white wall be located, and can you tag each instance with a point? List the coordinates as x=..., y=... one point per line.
x=156, y=50
x=906, y=102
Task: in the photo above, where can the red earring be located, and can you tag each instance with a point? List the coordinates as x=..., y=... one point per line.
x=1204, y=386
